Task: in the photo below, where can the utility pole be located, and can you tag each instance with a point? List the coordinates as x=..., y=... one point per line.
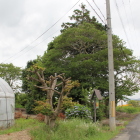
x=112, y=114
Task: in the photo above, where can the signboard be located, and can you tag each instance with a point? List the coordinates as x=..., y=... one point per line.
x=97, y=104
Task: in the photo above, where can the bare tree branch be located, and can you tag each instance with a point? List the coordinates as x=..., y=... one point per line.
x=45, y=88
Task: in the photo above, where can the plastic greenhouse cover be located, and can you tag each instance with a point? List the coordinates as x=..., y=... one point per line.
x=5, y=89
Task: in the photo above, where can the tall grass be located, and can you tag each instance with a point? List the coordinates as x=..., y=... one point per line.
x=128, y=109
x=74, y=129
x=21, y=124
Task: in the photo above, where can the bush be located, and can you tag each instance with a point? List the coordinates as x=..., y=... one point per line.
x=120, y=109
x=134, y=103
x=17, y=105
x=101, y=111
x=131, y=110
x=43, y=108
x=30, y=105
x=21, y=100
x=79, y=111
x=67, y=103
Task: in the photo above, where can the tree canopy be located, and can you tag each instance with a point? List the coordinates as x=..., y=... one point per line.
x=81, y=53
x=12, y=75
x=81, y=16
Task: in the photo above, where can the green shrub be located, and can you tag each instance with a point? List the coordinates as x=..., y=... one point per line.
x=100, y=112
x=134, y=103
x=67, y=103
x=43, y=108
x=120, y=109
x=79, y=111
x=30, y=105
x=17, y=105
x=21, y=99
x=130, y=109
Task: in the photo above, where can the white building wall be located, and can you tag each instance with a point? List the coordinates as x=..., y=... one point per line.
x=122, y=102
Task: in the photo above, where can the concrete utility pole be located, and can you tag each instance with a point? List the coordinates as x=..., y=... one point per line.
x=112, y=120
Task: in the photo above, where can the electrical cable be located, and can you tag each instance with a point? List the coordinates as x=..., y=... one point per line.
x=133, y=23
x=126, y=17
x=34, y=46
x=99, y=10
x=95, y=12
x=43, y=32
x=128, y=42
x=122, y=23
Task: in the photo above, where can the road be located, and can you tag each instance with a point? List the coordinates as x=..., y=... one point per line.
x=131, y=132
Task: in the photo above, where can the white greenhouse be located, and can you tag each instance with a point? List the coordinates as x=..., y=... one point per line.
x=7, y=105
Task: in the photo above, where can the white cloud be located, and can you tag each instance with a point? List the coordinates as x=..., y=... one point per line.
x=135, y=96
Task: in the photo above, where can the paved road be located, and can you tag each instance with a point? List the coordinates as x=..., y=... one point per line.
x=132, y=131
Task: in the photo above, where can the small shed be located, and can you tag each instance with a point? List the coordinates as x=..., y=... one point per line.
x=7, y=105
x=96, y=95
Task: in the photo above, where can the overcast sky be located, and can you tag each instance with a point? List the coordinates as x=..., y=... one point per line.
x=23, y=21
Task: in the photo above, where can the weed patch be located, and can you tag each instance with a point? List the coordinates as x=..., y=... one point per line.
x=128, y=109
x=74, y=129
x=21, y=124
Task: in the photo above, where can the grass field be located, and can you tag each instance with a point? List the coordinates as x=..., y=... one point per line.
x=72, y=129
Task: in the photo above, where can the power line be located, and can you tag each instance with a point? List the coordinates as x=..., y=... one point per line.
x=133, y=22
x=95, y=12
x=126, y=17
x=34, y=46
x=43, y=32
x=122, y=23
x=99, y=10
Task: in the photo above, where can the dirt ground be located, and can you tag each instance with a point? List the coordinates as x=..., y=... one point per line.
x=21, y=135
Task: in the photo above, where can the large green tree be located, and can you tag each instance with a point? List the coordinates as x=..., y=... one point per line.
x=81, y=52
x=79, y=16
x=12, y=75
